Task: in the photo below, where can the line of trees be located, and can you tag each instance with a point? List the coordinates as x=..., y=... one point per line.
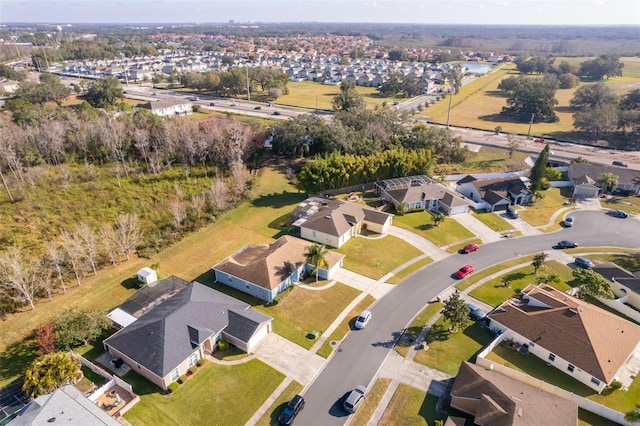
x=234, y=81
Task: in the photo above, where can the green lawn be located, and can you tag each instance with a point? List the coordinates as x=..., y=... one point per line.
x=487, y=159
x=492, y=270
x=374, y=396
x=344, y=327
x=370, y=257
x=457, y=247
x=450, y=231
x=413, y=331
x=493, y=292
x=539, y=214
x=209, y=397
x=309, y=94
x=630, y=205
x=447, y=350
x=271, y=416
x=396, y=278
x=410, y=406
x=587, y=418
x=493, y=221
x=629, y=262
x=302, y=311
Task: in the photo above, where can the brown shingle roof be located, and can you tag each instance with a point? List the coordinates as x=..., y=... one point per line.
x=337, y=217
x=267, y=265
x=581, y=172
x=503, y=401
x=592, y=339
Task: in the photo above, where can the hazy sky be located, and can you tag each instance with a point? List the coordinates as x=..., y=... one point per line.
x=517, y=12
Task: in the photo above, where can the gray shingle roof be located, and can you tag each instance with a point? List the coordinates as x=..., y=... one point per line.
x=243, y=326
x=166, y=335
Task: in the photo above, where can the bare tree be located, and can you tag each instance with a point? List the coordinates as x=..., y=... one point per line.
x=239, y=179
x=142, y=138
x=513, y=144
x=109, y=243
x=219, y=194
x=128, y=232
x=114, y=137
x=73, y=250
x=55, y=259
x=198, y=203
x=88, y=241
x=178, y=211
x=17, y=277
x=50, y=140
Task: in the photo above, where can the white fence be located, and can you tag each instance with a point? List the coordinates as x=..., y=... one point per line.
x=561, y=183
x=582, y=402
x=622, y=308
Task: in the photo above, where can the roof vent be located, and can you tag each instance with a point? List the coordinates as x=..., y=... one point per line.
x=327, y=217
x=520, y=412
x=573, y=311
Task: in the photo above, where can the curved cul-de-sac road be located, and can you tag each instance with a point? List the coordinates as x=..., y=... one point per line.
x=361, y=354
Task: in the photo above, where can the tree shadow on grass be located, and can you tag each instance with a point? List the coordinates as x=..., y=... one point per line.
x=282, y=225
x=277, y=201
x=437, y=333
x=500, y=118
x=513, y=276
x=209, y=279
x=131, y=283
x=16, y=358
x=426, y=226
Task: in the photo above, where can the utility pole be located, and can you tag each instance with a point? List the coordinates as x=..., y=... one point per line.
x=248, y=90
x=530, y=124
x=449, y=112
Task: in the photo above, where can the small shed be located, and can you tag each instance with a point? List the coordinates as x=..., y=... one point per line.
x=147, y=275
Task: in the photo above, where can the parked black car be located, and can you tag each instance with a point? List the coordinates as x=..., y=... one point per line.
x=566, y=244
x=618, y=213
x=291, y=410
x=619, y=164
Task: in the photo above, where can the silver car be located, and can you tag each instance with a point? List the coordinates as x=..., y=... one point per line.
x=584, y=262
x=363, y=320
x=355, y=398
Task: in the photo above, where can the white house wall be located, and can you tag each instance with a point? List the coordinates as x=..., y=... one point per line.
x=323, y=238
x=243, y=286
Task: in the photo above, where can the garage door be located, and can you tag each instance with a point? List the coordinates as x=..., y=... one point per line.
x=586, y=192
x=500, y=207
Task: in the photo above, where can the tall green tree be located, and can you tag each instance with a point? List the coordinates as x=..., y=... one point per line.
x=593, y=95
x=530, y=98
x=348, y=99
x=592, y=283
x=456, y=312
x=597, y=121
x=603, y=67
x=316, y=256
x=76, y=328
x=49, y=372
x=538, y=262
x=608, y=181
x=104, y=92
x=438, y=218
x=537, y=174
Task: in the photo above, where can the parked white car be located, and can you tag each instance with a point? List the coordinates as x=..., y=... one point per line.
x=363, y=320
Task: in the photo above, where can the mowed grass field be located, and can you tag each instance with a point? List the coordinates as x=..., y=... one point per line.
x=309, y=94
x=479, y=103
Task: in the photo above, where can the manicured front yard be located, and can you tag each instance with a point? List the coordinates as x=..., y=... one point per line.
x=271, y=416
x=493, y=220
x=375, y=258
x=374, y=396
x=450, y=231
x=447, y=350
x=399, y=276
x=539, y=213
x=346, y=325
x=303, y=311
x=493, y=292
x=210, y=396
x=630, y=204
x=410, y=406
x=413, y=331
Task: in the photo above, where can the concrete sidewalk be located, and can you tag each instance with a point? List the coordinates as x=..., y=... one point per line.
x=422, y=244
x=473, y=224
x=365, y=284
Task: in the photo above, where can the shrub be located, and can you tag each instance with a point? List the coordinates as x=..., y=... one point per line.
x=223, y=345
x=193, y=370
x=182, y=379
x=173, y=387
x=201, y=362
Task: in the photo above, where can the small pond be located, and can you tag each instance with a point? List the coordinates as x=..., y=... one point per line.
x=477, y=68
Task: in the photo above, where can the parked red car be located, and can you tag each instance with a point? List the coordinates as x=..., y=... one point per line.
x=470, y=248
x=466, y=270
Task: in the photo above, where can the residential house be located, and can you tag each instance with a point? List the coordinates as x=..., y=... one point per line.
x=334, y=222
x=266, y=270
x=169, y=107
x=625, y=285
x=172, y=334
x=64, y=405
x=420, y=192
x=494, y=399
x=580, y=339
x=495, y=194
x=585, y=178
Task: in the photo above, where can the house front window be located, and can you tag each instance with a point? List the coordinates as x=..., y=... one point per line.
x=595, y=381
x=175, y=375
x=552, y=357
x=570, y=368
x=193, y=359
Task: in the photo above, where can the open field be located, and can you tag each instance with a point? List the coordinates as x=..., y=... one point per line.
x=370, y=257
x=218, y=386
x=309, y=94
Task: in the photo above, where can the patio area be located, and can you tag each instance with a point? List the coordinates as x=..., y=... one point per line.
x=114, y=400
x=106, y=361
